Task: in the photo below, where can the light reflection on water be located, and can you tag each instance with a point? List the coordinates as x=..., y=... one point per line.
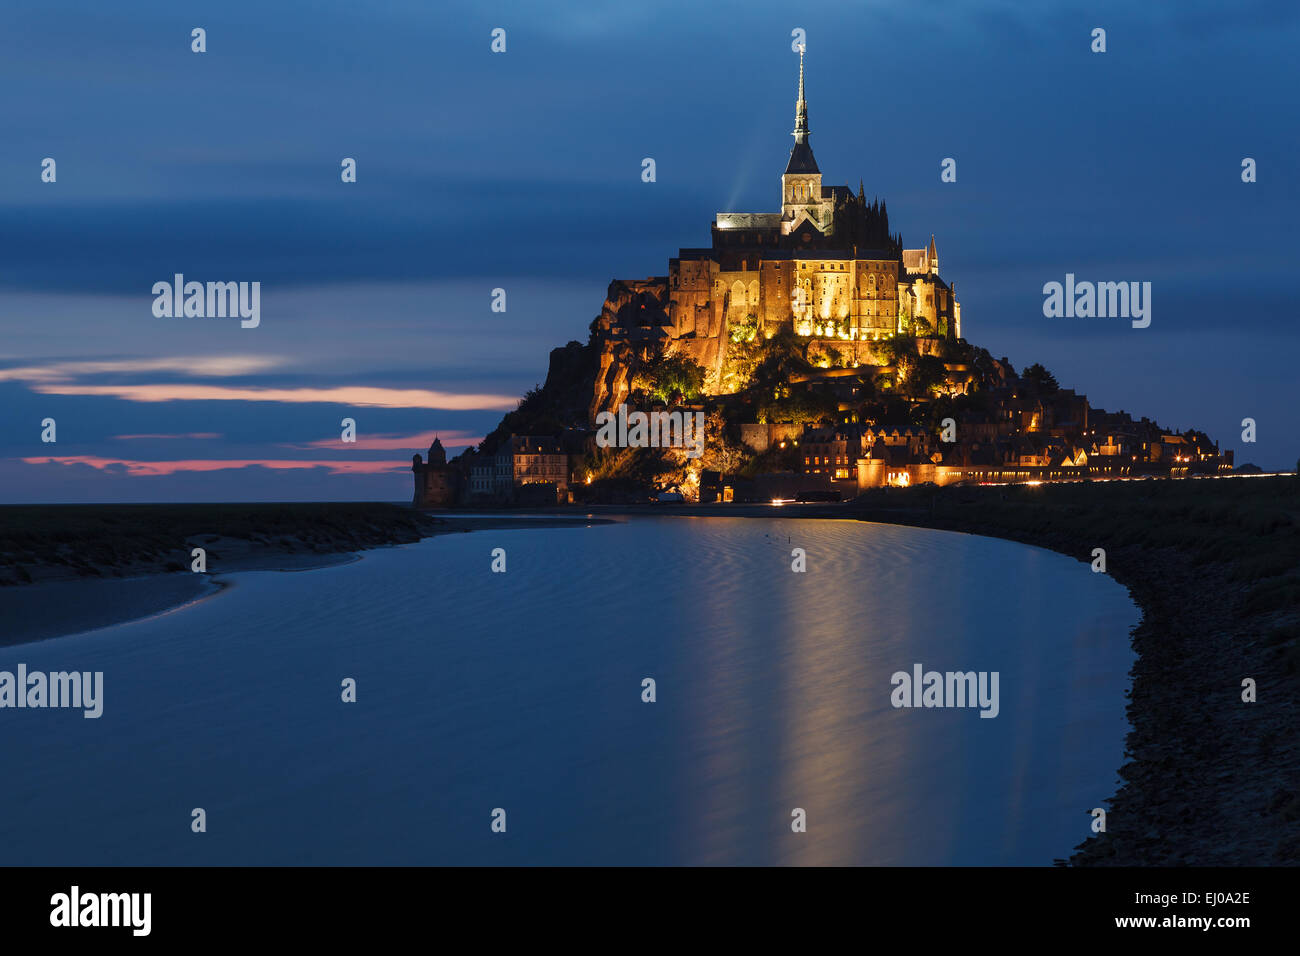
x=522, y=691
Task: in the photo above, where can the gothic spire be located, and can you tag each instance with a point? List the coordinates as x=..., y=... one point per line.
x=801, y=155
x=801, y=107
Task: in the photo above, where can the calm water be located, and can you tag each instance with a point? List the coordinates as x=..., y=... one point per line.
x=523, y=691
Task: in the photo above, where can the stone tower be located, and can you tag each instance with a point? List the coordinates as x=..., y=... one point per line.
x=436, y=484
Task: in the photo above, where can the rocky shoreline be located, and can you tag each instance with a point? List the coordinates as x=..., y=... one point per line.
x=41, y=543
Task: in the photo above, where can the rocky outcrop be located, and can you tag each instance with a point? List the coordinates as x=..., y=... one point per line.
x=632, y=304
x=611, y=383
x=633, y=326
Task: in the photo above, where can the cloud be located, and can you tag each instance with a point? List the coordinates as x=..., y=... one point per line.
x=155, y=468
x=353, y=395
x=206, y=366
x=194, y=435
x=391, y=442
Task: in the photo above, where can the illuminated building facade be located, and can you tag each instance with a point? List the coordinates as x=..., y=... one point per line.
x=825, y=265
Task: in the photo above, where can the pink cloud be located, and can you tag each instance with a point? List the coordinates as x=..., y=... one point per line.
x=156, y=468
x=354, y=395
x=216, y=366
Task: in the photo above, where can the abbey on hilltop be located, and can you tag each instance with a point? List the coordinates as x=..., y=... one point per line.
x=822, y=359
x=826, y=265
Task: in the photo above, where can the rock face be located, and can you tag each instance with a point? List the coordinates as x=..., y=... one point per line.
x=611, y=384
x=645, y=318
x=633, y=325
x=570, y=380
x=632, y=331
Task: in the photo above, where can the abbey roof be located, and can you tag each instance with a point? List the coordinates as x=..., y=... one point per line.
x=801, y=160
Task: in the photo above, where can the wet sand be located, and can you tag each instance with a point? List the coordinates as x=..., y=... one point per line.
x=59, y=608
x=58, y=604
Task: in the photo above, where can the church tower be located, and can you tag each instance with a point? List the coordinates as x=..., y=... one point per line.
x=801, y=184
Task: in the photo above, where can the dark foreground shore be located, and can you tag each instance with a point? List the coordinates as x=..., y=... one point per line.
x=61, y=542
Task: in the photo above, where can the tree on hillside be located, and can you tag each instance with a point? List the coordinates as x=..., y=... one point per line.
x=1040, y=379
x=801, y=407
x=675, y=376
x=721, y=454
x=898, y=346
x=783, y=356
x=536, y=414
x=745, y=330
x=927, y=375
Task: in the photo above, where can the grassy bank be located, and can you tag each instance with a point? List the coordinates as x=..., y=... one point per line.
x=1215, y=566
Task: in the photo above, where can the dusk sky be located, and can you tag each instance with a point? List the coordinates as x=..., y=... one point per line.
x=522, y=170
